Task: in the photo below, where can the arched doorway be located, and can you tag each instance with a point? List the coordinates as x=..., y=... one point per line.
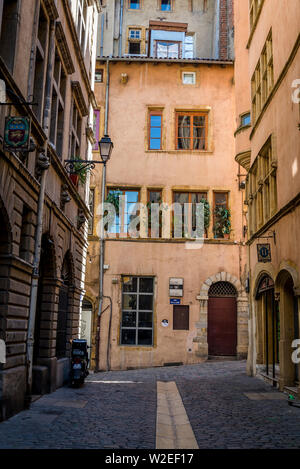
x=63, y=307
x=45, y=297
x=268, y=327
x=289, y=319
x=222, y=320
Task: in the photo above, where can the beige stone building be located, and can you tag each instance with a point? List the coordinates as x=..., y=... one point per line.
x=267, y=79
x=171, y=119
x=47, y=64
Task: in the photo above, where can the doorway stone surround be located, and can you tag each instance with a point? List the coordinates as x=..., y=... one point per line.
x=242, y=315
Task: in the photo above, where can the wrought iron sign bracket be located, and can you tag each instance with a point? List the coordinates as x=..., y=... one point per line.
x=85, y=164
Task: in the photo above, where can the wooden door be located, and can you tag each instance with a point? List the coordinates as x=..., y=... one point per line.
x=222, y=326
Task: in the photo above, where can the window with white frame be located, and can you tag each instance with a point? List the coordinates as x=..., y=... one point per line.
x=189, y=78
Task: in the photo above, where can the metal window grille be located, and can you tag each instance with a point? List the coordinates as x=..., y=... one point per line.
x=222, y=289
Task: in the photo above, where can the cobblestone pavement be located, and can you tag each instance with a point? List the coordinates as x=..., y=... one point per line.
x=121, y=412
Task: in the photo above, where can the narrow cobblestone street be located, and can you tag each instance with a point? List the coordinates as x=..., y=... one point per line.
x=118, y=410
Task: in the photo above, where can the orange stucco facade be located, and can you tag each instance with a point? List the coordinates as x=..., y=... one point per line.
x=272, y=195
x=134, y=166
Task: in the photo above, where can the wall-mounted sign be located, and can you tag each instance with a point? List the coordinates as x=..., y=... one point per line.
x=165, y=323
x=176, y=287
x=264, y=252
x=175, y=301
x=17, y=133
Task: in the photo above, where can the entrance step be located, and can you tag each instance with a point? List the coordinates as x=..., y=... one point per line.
x=221, y=358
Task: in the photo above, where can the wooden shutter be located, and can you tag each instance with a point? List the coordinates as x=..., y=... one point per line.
x=181, y=318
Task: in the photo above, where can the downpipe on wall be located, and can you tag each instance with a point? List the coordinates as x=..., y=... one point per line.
x=102, y=246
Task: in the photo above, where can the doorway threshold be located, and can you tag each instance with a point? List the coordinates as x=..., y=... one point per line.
x=222, y=358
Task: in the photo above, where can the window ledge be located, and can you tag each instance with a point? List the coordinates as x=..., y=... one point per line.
x=184, y=152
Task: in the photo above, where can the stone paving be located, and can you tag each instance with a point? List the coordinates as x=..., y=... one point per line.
x=121, y=411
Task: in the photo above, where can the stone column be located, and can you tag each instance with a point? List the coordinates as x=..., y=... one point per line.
x=201, y=325
x=242, y=326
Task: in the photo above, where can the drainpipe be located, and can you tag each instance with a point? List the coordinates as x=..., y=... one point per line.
x=43, y=164
x=121, y=29
x=217, y=30
x=102, y=35
x=102, y=240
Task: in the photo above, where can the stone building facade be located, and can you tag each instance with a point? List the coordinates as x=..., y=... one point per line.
x=166, y=86
x=268, y=147
x=47, y=64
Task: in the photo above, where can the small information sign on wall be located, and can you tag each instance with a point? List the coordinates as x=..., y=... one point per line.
x=264, y=252
x=176, y=287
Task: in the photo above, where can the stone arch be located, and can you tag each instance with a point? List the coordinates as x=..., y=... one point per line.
x=288, y=296
x=46, y=303
x=68, y=268
x=286, y=267
x=242, y=314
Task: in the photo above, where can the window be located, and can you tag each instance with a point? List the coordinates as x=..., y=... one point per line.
x=167, y=49
x=82, y=21
x=76, y=128
x=155, y=130
x=137, y=311
x=191, y=130
x=220, y=204
x=154, y=197
x=9, y=27
x=96, y=129
x=254, y=11
x=122, y=221
x=262, y=188
x=189, y=78
x=262, y=79
x=183, y=228
x=245, y=119
x=134, y=48
x=134, y=41
x=58, y=105
x=40, y=65
x=181, y=318
x=99, y=75
x=166, y=5
x=189, y=47
x=91, y=209
x=134, y=4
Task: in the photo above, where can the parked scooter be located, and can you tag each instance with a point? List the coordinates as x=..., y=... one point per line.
x=79, y=362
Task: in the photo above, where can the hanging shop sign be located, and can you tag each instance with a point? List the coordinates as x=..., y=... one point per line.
x=17, y=133
x=176, y=287
x=264, y=252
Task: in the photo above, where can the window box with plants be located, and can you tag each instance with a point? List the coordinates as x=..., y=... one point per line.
x=222, y=225
x=79, y=172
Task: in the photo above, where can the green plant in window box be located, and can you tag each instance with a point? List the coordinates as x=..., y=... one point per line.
x=222, y=226
x=113, y=198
